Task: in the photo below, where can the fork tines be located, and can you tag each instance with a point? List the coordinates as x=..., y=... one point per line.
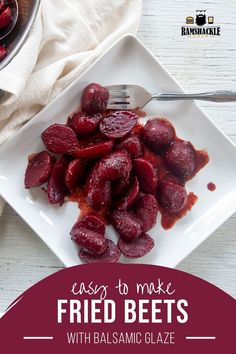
x=119, y=97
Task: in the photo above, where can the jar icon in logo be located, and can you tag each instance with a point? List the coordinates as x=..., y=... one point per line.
x=210, y=20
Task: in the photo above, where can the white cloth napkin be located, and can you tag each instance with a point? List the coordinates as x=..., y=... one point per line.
x=67, y=36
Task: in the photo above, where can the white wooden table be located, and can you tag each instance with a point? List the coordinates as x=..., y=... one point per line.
x=197, y=64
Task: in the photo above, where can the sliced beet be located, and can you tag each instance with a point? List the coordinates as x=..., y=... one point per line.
x=181, y=159
x=38, y=170
x=157, y=134
x=57, y=190
x=126, y=224
x=3, y=52
x=172, y=197
x=127, y=200
x=119, y=186
x=173, y=179
x=111, y=255
x=74, y=174
x=94, y=98
x=94, y=223
x=96, y=138
x=98, y=192
x=146, y=210
x=5, y=18
x=114, y=166
x=132, y=145
x=118, y=124
x=94, y=151
x=84, y=125
x=60, y=139
x=111, y=168
x=99, y=195
x=89, y=232
x=91, y=240
x=147, y=175
x=138, y=248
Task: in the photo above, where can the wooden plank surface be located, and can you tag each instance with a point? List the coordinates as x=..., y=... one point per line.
x=198, y=64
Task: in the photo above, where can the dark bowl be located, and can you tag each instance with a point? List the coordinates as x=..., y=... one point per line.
x=27, y=13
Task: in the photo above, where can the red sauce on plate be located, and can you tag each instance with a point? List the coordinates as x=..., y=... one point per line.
x=211, y=186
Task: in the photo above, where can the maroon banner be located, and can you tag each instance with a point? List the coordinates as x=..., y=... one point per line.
x=109, y=308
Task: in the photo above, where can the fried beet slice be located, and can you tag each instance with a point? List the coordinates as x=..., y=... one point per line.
x=126, y=224
x=97, y=137
x=119, y=186
x=90, y=240
x=83, y=124
x=5, y=18
x=89, y=233
x=60, y=139
x=38, y=170
x=147, y=175
x=173, y=179
x=94, y=98
x=57, y=190
x=129, y=197
x=111, y=255
x=74, y=174
x=146, y=210
x=138, y=248
x=3, y=52
x=132, y=145
x=114, y=166
x=99, y=195
x=172, y=197
x=118, y=124
x=181, y=159
x=157, y=134
x=95, y=151
x=98, y=192
x=93, y=223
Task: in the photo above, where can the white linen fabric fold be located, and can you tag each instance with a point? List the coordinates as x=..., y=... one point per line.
x=67, y=36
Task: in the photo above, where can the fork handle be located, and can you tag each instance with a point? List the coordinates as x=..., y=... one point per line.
x=216, y=96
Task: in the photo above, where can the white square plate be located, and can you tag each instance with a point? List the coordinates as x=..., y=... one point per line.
x=127, y=61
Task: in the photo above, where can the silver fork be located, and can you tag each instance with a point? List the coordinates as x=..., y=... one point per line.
x=134, y=96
